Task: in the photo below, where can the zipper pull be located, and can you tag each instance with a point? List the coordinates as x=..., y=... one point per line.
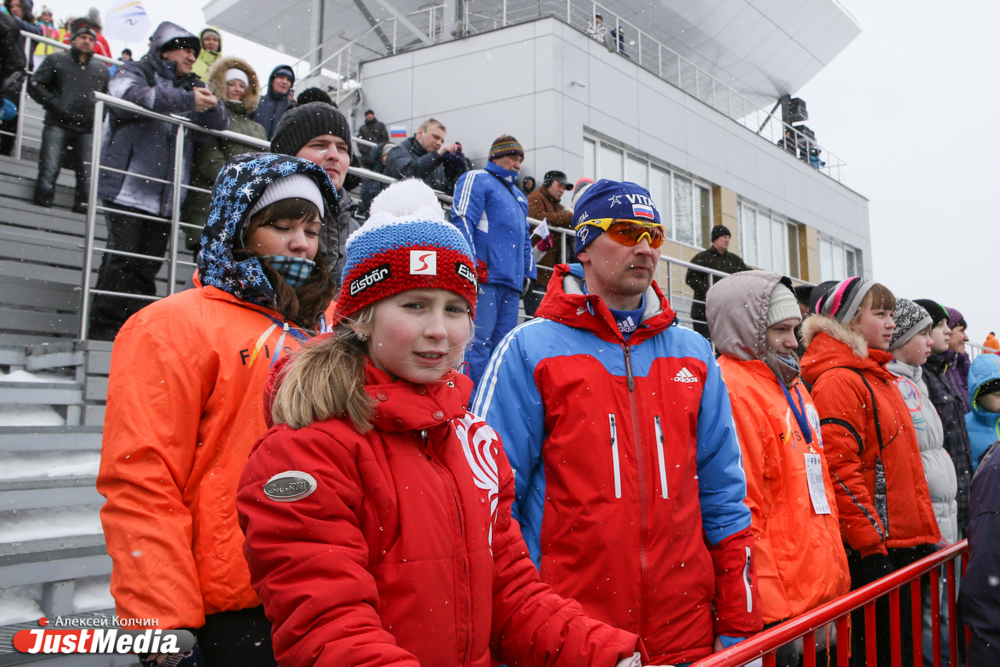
x=628, y=367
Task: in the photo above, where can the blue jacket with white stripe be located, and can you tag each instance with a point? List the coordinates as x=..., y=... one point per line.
x=492, y=214
x=628, y=474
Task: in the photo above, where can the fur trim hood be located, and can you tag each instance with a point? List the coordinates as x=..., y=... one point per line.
x=839, y=348
x=217, y=81
x=816, y=324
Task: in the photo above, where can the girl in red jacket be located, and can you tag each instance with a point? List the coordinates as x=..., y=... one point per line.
x=377, y=509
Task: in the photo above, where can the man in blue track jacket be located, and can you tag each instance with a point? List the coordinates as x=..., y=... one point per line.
x=628, y=478
x=492, y=214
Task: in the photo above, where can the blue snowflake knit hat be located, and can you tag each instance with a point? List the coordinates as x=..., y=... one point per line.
x=239, y=186
x=406, y=244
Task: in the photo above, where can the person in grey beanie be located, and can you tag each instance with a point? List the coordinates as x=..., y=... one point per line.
x=911, y=346
x=320, y=133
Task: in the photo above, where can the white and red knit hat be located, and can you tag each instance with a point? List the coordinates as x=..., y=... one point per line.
x=406, y=244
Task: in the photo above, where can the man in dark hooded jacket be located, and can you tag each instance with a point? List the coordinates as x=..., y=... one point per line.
x=717, y=257
x=64, y=84
x=162, y=82
x=279, y=99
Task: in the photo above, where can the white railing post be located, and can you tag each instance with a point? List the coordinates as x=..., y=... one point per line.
x=88, y=252
x=175, y=213
x=395, y=24
x=22, y=100
x=505, y=13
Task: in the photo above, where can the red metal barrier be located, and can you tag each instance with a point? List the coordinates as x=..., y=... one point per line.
x=838, y=611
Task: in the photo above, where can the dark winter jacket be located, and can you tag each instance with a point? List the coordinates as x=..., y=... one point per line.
x=369, y=188
x=338, y=225
x=145, y=145
x=956, y=437
x=273, y=105
x=410, y=160
x=979, y=599
x=405, y=551
x=11, y=50
x=698, y=281
x=65, y=87
x=375, y=132
x=211, y=156
x=957, y=375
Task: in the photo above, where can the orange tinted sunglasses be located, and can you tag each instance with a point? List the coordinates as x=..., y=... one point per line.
x=629, y=232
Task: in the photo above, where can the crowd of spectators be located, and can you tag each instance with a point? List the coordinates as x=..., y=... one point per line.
x=842, y=410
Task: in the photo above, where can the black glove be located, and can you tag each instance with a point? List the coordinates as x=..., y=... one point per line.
x=876, y=567
x=529, y=285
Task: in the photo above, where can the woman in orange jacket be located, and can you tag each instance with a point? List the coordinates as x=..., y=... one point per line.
x=801, y=562
x=185, y=407
x=886, y=516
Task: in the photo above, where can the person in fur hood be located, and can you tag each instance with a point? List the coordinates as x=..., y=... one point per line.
x=886, y=516
x=233, y=80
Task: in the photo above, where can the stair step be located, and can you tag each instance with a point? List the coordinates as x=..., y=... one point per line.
x=40, y=393
x=23, y=494
x=53, y=559
x=50, y=438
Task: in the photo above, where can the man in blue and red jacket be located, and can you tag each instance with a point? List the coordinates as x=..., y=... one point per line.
x=629, y=482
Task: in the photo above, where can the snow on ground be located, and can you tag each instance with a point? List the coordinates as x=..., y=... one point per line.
x=25, y=376
x=42, y=524
x=92, y=593
x=24, y=465
x=21, y=604
x=30, y=415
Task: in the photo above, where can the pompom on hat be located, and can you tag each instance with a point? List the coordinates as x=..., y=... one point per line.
x=406, y=244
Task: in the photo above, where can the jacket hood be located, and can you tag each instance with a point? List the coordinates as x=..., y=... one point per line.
x=280, y=69
x=829, y=344
x=565, y=302
x=984, y=368
x=201, y=39
x=736, y=310
x=217, y=81
x=165, y=32
x=237, y=188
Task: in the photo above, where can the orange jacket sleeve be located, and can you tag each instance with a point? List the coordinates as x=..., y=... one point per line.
x=840, y=401
x=155, y=400
x=760, y=463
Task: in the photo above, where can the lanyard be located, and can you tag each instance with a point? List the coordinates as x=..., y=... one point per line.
x=799, y=411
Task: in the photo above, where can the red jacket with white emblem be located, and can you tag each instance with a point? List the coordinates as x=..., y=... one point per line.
x=397, y=546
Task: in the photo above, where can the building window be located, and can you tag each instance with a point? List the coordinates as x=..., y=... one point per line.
x=684, y=203
x=768, y=241
x=838, y=261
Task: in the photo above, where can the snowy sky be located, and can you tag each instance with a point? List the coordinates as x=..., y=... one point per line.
x=906, y=105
